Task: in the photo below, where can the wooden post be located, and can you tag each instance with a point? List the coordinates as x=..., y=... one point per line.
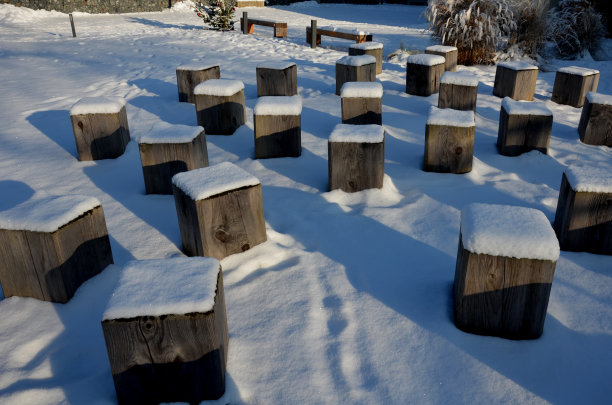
x=450, y=55
x=369, y=48
x=523, y=126
x=595, y=126
x=278, y=127
x=277, y=79
x=245, y=23
x=313, y=33
x=423, y=73
x=189, y=76
x=355, y=69
x=220, y=106
x=516, y=80
x=458, y=91
x=572, y=84
x=361, y=103
x=72, y=25
x=449, y=141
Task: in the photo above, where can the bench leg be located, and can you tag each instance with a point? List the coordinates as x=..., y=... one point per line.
x=280, y=31
x=250, y=27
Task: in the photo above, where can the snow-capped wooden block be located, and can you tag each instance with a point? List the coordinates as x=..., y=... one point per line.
x=50, y=246
x=361, y=68
x=583, y=221
x=219, y=106
x=277, y=79
x=572, y=84
x=595, y=126
x=219, y=209
x=278, y=126
x=423, y=73
x=166, y=332
x=168, y=150
x=356, y=157
x=450, y=55
x=505, y=266
x=361, y=103
x=516, y=80
x=523, y=126
x=100, y=127
x=368, y=48
x=189, y=76
x=449, y=141
x=458, y=91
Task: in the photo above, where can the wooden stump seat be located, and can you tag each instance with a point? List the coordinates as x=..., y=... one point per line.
x=523, y=126
x=450, y=55
x=458, y=90
x=516, y=80
x=356, y=157
x=277, y=79
x=423, y=74
x=278, y=126
x=100, y=127
x=166, y=333
x=279, y=27
x=49, y=246
x=572, y=84
x=449, y=141
x=595, y=126
x=361, y=103
x=344, y=33
x=219, y=209
x=189, y=76
x=505, y=266
x=361, y=68
x=219, y=106
x=369, y=48
x=583, y=221
x=168, y=150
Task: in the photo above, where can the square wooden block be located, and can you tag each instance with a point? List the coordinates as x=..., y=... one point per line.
x=505, y=266
x=450, y=55
x=595, y=126
x=449, y=141
x=220, y=106
x=277, y=79
x=168, y=150
x=583, y=221
x=516, y=80
x=361, y=103
x=523, y=126
x=423, y=73
x=458, y=91
x=572, y=84
x=100, y=127
x=278, y=127
x=219, y=209
x=52, y=245
x=166, y=331
x=189, y=76
x=368, y=48
x=360, y=68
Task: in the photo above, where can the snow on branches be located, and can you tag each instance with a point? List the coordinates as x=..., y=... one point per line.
x=218, y=14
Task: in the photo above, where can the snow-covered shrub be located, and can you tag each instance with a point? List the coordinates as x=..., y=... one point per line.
x=218, y=14
x=476, y=27
x=531, y=17
x=576, y=28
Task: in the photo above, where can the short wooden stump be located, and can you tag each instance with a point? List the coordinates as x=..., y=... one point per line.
x=505, y=266
x=168, y=150
x=361, y=103
x=449, y=141
x=100, y=127
x=360, y=68
x=583, y=221
x=166, y=331
x=52, y=245
x=572, y=84
x=450, y=55
x=595, y=126
x=219, y=106
x=458, y=91
x=189, y=76
x=368, y=48
x=219, y=209
x=523, y=126
x=277, y=79
x=356, y=157
x=278, y=127
x=423, y=74
x=516, y=80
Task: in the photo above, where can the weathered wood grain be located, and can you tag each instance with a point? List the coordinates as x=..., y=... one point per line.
x=516, y=84
x=522, y=133
x=348, y=73
x=355, y=166
x=423, y=80
x=100, y=136
x=277, y=82
x=457, y=97
x=572, y=89
x=448, y=149
x=277, y=136
x=361, y=110
x=595, y=126
x=377, y=53
x=220, y=115
x=451, y=58
x=186, y=81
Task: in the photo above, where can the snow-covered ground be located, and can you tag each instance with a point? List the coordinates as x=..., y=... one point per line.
x=349, y=301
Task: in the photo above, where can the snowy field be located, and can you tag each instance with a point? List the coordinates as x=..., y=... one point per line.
x=349, y=301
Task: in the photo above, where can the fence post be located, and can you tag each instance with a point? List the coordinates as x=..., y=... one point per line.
x=313, y=33
x=72, y=25
x=245, y=23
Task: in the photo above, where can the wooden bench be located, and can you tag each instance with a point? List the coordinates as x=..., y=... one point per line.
x=280, y=27
x=357, y=36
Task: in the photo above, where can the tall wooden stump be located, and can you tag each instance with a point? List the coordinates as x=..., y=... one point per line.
x=278, y=127
x=449, y=141
x=277, y=79
x=523, y=126
x=572, y=84
x=450, y=54
x=423, y=74
x=458, y=91
x=220, y=106
x=360, y=68
x=356, y=157
x=583, y=221
x=220, y=210
x=169, y=150
x=595, y=127
x=189, y=76
x=505, y=266
x=369, y=48
x=516, y=80
x=361, y=103
x=100, y=127
x=50, y=246
x=166, y=331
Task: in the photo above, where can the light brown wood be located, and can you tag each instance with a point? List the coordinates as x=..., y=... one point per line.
x=100, y=136
x=457, y=97
x=451, y=58
x=448, y=149
x=187, y=80
x=361, y=110
x=516, y=84
x=423, y=80
x=522, y=133
x=280, y=28
x=377, y=53
x=348, y=73
x=358, y=38
x=277, y=82
x=277, y=136
x=572, y=89
x=355, y=166
x=595, y=126
x=220, y=115
x=251, y=3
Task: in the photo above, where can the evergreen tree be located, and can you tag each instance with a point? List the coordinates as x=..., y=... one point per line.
x=218, y=14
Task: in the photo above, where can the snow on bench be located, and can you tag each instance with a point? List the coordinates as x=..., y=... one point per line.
x=338, y=32
x=280, y=27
